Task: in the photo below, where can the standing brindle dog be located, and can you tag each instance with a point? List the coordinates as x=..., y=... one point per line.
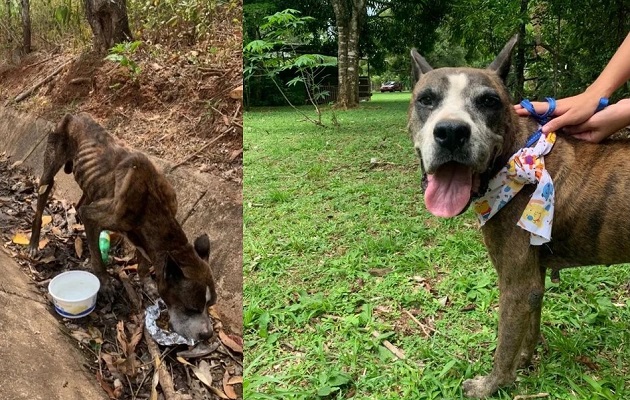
x=464, y=130
x=123, y=192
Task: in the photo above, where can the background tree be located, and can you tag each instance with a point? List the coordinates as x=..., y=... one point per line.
x=276, y=51
x=109, y=22
x=348, y=16
x=26, y=26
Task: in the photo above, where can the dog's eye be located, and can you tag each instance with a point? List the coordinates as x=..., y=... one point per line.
x=426, y=100
x=489, y=101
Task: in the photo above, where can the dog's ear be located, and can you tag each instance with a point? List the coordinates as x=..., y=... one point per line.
x=202, y=247
x=502, y=63
x=419, y=65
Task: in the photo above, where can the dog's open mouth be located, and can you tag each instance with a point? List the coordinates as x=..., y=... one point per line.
x=449, y=189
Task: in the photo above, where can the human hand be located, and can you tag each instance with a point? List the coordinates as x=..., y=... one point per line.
x=603, y=124
x=569, y=111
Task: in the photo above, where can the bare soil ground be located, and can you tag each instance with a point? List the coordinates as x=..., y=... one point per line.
x=182, y=99
x=184, y=106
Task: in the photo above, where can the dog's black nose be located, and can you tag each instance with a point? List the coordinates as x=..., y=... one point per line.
x=451, y=134
x=205, y=334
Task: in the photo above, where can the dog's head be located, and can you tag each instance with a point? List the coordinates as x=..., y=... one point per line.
x=459, y=121
x=187, y=288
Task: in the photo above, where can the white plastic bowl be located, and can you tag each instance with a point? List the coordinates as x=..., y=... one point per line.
x=74, y=293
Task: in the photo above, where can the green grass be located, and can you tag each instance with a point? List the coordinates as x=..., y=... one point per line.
x=336, y=248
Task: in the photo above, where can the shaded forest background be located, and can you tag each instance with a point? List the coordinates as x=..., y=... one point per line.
x=565, y=44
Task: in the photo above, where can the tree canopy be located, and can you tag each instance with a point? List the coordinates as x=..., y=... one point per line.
x=564, y=44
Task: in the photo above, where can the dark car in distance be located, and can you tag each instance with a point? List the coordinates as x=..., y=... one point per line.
x=391, y=86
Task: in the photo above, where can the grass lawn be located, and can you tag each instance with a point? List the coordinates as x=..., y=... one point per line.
x=337, y=248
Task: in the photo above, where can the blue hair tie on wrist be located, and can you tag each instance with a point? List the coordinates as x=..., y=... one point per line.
x=603, y=103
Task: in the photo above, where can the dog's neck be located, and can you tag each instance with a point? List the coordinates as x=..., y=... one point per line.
x=170, y=238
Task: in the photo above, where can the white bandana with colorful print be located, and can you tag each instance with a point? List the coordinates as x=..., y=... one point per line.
x=527, y=166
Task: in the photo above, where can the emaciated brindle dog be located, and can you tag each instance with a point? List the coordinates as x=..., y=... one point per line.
x=124, y=192
x=464, y=130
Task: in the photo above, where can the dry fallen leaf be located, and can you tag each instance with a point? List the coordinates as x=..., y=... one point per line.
x=133, y=267
x=202, y=372
x=106, y=387
x=43, y=243
x=156, y=379
x=235, y=153
x=227, y=388
x=96, y=334
x=81, y=336
x=200, y=350
x=111, y=365
x=235, y=380
x=218, y=392
x=121, y=336
x=118, y=388
x=214, y=314
x=78, y=246
x=237, y=93
x=20, y=238
x=183, y=361
x=48, y=259
x=46, y=219
x=231, y=342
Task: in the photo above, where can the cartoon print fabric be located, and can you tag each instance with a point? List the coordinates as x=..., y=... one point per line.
x=527, y=166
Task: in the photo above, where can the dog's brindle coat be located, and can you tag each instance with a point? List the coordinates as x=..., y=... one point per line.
x=592, y=187
x=123, y=192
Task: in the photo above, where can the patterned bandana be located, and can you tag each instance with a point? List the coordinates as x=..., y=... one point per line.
x=527, y=166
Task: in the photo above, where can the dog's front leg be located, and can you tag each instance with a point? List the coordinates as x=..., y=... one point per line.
x=92, y=231
x=521, y=288
x=532, y=336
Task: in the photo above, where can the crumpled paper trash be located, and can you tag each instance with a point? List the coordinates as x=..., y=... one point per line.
x=163, y=337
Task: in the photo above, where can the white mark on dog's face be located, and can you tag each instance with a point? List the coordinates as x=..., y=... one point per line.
x=465, y=98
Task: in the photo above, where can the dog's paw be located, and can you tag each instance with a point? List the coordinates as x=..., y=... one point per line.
x=32, y=251
x=479, y=388
x=525, y=360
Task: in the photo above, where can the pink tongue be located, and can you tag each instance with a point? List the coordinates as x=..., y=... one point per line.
x=449, y=189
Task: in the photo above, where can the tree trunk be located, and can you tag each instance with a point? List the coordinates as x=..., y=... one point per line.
x=26, y=26
x=109, y=22
x=519, y=64
x=348, y=14
x=9, y=36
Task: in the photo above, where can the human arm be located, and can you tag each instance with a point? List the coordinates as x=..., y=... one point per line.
x=603, y=124
x=576, y=110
